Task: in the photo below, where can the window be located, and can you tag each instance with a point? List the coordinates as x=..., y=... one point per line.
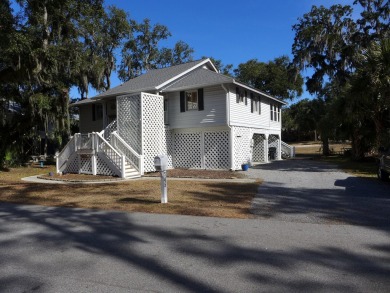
x=191, y=100
x=275, y=113
x=240, y=95
x=97, y=112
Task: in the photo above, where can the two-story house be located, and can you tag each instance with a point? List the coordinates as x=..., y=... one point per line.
x=190, y=112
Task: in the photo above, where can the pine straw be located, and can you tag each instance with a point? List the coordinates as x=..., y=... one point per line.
x=200, y=198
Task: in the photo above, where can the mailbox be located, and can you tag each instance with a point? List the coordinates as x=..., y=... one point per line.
x=161, y=162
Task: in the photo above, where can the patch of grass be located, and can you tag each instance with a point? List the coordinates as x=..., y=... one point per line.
x=367, y=168
x=200, y=198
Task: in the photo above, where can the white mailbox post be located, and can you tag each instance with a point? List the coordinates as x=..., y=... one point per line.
x=161, y=164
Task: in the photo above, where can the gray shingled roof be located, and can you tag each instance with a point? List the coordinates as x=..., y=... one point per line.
x=164, y=80
x=200, y=77
x=150, y=80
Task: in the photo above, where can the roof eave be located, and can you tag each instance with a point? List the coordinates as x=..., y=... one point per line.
x=168, y=90
x=259, y=92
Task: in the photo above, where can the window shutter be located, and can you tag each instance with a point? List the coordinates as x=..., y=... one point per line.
x=200, y=100
x=252, y=101
x=272, y=113
x=246, y=98
x=259, y=99
x=237, y=94
x=93, y=112
x=182, y=102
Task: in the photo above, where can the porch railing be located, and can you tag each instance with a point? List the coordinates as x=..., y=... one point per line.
x=288, y=150
x=106, y=132
x=83, y=141
x=132, y=157
x=65, y=154
x=115, y=158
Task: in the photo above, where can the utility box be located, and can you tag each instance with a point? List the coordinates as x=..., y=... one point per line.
x=161, y=162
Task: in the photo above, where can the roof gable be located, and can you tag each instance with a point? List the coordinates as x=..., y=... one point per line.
x=157, y=78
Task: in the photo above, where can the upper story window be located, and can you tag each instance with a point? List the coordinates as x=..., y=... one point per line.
x=97, y=112
x=191, y=100
x=241, y=96
x=255, y=104
x=275, y=113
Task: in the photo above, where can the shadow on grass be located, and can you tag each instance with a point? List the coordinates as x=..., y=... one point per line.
x=137, y=200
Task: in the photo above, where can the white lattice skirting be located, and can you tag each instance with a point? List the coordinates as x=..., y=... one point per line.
x=201, y=150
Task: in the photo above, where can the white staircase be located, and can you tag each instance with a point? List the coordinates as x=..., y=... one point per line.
x=93, y=154
x=131, y=172
x=287, y=150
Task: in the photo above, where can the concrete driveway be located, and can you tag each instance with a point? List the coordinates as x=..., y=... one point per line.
x=310, y=191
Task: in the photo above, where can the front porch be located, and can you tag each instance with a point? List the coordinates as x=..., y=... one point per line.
x=126, y=147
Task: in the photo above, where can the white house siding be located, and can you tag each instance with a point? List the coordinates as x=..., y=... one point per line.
x=241, y=115
x=247, y=144
x=86, y=123
x=201, y=148
x=214, y=113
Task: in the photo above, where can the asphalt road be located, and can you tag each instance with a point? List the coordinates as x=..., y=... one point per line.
x=75, y=250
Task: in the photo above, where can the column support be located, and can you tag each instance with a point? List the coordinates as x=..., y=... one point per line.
x=266, y=148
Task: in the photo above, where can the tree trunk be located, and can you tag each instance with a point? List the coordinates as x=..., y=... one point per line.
x=325, y=146
x=357, y=145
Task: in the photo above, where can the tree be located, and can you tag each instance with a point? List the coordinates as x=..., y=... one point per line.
x=140, y=52
x=42, y=57
x=277, y=78
x=368, y=92
x=102, y=31
x=180, y=53
x=329, y=42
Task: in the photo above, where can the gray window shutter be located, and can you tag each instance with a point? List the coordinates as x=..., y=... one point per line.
x=259, y=99
x=200, y=100
x=237, y=94
x=246, y=98
x=182, y=101
x=252, y=101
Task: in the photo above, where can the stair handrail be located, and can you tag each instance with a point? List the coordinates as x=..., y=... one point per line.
x=288, y=149
x=116, y=158
x=110, y=128
x=63, y=156
x=132, y=157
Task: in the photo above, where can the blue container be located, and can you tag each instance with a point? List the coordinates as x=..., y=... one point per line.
x=245, y=167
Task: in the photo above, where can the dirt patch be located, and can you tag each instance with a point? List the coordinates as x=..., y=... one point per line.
x=200, y=198
x=174, y=173
x=204, y=174
x=78, y=177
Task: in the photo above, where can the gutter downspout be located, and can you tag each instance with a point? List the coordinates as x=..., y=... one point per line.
x=231, y=130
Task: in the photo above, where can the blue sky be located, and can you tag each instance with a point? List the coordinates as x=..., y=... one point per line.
x=232, y=31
